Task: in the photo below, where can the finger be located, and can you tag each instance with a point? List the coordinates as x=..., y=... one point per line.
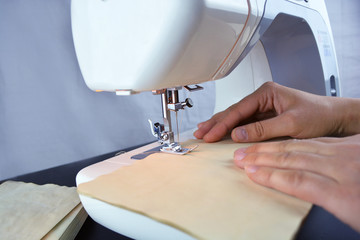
x=237, y=113
x=199, y=125
x=301, y=184
x=204, y=128
x=217, y=132
x=303, y=161
x=278, y=126
x=310, y=146
x=329, y=139
x=264, y=115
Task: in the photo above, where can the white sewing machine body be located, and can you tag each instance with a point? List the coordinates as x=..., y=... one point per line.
x=133, y=46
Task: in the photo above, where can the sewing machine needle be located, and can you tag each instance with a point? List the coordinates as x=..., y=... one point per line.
x=177, y=127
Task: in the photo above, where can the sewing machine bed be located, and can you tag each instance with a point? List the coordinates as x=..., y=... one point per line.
x=319, y=224
x=150, y=228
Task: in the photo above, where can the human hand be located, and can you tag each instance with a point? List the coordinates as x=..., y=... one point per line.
x=275, y=111
x=323, y=171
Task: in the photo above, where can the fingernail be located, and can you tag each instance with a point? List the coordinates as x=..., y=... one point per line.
x=241, y=134
x=200, y=125
x=240, y=150
x=251, y=168
x=197, y=134
x=239, y=155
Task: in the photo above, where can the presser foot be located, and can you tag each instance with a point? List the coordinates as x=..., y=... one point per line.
x=175, y=148
x=165, y=149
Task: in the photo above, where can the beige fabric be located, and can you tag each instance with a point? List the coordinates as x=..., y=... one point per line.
x=201, y=193
x=30, y=211
x=69, y=226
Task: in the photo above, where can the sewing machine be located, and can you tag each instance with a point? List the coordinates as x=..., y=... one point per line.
x=163, y=46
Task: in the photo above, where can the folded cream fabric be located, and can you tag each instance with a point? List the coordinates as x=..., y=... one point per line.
x=69, y=226
x=30, y=211
x=201, y=193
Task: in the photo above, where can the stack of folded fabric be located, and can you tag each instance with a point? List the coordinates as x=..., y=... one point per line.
x=30, y=211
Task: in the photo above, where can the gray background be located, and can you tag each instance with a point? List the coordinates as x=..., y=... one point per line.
x=345, y=22
x=48, y=116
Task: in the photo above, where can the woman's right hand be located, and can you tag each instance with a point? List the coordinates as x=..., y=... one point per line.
x=277, y=111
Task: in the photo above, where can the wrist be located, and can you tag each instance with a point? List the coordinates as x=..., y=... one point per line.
x=349, y=116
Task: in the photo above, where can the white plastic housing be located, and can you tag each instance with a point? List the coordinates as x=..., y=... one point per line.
x=142, y=45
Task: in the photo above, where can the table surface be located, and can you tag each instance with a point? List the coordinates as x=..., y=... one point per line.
x=319, y=224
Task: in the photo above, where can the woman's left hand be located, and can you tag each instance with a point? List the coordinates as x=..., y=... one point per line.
x=323, y=171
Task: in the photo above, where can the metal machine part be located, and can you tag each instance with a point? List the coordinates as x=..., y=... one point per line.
x=170, y=102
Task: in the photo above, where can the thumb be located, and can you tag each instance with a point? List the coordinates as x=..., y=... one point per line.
x=263, y=130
